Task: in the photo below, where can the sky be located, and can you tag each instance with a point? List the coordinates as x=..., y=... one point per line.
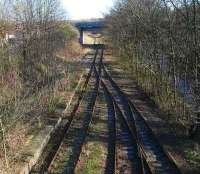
x=86, y=9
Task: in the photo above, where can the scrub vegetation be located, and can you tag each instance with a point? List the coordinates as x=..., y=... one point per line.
x=34, y=69
x=158, y=40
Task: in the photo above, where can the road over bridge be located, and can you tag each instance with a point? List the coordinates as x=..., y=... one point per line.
x=90, y=31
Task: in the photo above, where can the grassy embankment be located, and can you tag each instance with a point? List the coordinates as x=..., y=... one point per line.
x=23, y=106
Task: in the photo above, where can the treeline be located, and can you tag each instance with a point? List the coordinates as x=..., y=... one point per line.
x=32, y=32
x=159, y=41
x=40, y=32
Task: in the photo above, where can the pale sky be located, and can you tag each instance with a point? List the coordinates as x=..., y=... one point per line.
x=85, y=9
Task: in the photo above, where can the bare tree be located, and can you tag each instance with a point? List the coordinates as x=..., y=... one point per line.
x=161, y=40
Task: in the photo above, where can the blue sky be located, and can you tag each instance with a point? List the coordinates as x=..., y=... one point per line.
x=85, y=9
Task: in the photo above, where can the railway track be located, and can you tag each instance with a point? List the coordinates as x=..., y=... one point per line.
x=111, y=156
x=78, y=131
x=152, y=152
x=132, y=146
x=128, y=160
x=64, y=129
x=125, y=157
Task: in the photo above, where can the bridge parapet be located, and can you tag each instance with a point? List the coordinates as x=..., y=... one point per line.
x=84, y=25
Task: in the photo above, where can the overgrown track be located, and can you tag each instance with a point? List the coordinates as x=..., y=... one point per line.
x=128, y=141
x=129, y=134
x=87, y=118
x=111, y=157
x=64, y=130
x=155, y=156
x=86, y=122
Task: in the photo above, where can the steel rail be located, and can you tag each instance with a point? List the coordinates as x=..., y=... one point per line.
x=88, y=118
x=53, y=153
x=146, y=139
x=111, y=156
x=138, y=165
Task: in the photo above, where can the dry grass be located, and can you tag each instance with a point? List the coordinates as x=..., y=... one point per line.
x=162, y=93
x=20, y=112
x=15, y=139
x=73, y=51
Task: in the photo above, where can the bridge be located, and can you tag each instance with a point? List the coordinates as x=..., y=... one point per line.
x=90, y=31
